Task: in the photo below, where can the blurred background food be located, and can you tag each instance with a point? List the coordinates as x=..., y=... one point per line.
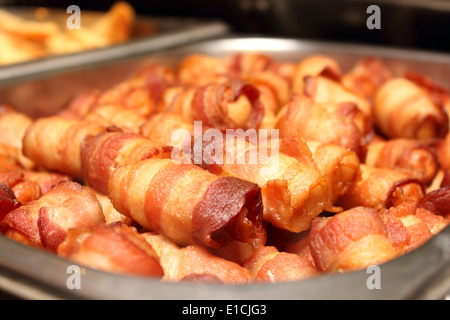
x=28, y=33
x=423, y=24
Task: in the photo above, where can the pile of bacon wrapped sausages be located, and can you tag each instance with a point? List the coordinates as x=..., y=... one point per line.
x=361, y=175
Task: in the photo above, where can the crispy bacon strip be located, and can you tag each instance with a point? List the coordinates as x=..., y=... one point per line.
x=182, y=263
x=229, y=105
x=411, y=156
x=102, y=153
x=320, y=122
x=13, y=125
x=44, y=222
x=293, y=192
x=187, y=204
x=404, y=110
x=54, y=143
x=376, y=187
x=114, y=248
x=270, y=265
x=350, y=240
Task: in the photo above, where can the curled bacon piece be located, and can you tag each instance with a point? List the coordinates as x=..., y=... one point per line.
x=270, y=265
x=111, y=247
x=350, y=240
x=194, y=263
x=44, y=222
x=228, y=105
x=102, y=153
x=188, y=204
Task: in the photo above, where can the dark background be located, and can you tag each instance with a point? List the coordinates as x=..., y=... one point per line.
x=418, y=24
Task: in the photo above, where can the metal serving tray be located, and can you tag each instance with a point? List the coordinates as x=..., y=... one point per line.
x=34, y=274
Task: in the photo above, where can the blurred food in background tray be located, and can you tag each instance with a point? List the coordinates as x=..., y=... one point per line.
x=27, y=34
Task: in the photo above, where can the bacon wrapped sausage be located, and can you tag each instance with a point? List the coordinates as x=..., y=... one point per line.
x=8, y=200
x=366, y=77
x=322, y=89
x=411, y=156
x=270, y=265
x=115, y=115
x=312, y=66
x=187, y=204
x=13, y=125
x=194, y=262
x=44, y=222
x=55, y=142
x=23, y=188
x=339, y=165
x=319, y=122
x=404, y=110
x=293, y=192
x=111, y=247
x=350, y=240
x=102, y=153
x=168, y=128
x=376, y=187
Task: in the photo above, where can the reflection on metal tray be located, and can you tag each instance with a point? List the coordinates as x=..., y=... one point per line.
x=30, y=273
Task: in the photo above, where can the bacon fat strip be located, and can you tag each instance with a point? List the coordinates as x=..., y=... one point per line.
x=293, y=192
x=113, y=248
x=187, y=204
x=179, y=263
x=55, y=142
x=102, y=153
x=13, y=125
x=376, y=187
x=410, y=155
x=350, y=240
x=404, y=110
x=319, y=122
x=270, y=265
x=44, y=222
x=229, y=105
